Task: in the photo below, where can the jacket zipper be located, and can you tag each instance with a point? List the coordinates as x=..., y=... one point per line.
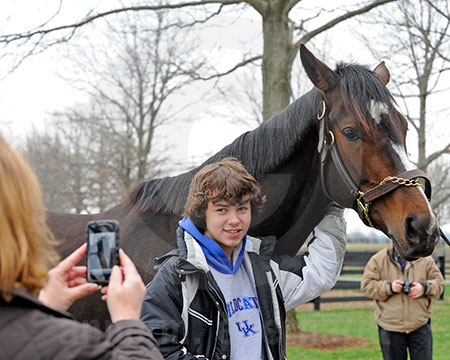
x=218, y=316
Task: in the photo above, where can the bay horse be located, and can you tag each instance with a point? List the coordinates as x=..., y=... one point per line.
x=343, y=141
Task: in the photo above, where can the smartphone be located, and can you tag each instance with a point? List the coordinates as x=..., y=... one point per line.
x=102, y=238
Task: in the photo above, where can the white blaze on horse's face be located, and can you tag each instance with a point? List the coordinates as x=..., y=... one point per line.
x=377, y=109
x=408, y=165
x=401, y=153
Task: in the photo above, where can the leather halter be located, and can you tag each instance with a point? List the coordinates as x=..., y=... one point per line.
x=362, y=201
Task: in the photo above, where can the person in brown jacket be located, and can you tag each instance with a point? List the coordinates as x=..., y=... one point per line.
x=33, y=299
x=402, y=291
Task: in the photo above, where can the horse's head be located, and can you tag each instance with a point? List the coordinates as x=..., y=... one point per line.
x=364, y=162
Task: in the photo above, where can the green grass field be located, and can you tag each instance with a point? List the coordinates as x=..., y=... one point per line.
x=360, y=322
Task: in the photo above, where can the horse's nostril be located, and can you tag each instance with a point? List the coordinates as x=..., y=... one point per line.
x=416, y=228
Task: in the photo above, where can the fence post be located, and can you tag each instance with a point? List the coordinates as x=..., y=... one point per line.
x=441, y=266
x=316, y=302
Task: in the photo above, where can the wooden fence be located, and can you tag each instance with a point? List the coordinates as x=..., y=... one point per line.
x=354, y=263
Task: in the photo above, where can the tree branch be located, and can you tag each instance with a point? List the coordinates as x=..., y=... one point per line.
x=437, y=154
x=241, y=64
x=438, y=10
x=305, y=38
x=8, y=38
x=259, y=5
x=290, y=4
x=442, y=201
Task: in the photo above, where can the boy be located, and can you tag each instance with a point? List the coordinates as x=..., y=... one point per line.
x=222, y=294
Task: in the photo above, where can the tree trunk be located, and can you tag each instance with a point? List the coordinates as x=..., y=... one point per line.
x=292, y=324
x=422, y=155
x=276, y=63
x=276, y=73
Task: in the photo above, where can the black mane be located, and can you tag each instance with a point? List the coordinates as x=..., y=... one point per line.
x=358, y=86
x=264, y=148
x=260, y=150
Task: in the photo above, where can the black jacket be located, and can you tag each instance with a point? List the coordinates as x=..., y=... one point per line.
x=30, y=330
x=186, y=310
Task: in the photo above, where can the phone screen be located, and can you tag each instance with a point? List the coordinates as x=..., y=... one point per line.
x=101, y=255
x=103, y=248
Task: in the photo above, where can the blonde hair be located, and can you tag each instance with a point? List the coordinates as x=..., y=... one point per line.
x=26, y=244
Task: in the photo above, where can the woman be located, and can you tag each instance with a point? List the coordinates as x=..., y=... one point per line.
x=33, y=300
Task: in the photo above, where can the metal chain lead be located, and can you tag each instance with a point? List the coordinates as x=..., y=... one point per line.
x=401, y=181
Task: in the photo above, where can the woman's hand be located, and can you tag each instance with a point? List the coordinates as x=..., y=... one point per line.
x=125, y=292
x=67, y=282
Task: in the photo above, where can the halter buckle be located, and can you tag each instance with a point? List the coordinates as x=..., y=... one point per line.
x=324, y=109
x=332, y=138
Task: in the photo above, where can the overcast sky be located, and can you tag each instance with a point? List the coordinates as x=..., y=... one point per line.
x=33, y=91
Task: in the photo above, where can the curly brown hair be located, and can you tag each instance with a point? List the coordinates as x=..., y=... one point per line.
x=227, y=180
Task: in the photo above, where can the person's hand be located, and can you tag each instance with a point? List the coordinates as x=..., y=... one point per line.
x=397, y=286
x=335, y=209
x=67, y=282
x=416, y=290
x=335, y=204
x=125, y=292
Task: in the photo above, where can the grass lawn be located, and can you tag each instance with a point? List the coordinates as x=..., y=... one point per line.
x=360, y=322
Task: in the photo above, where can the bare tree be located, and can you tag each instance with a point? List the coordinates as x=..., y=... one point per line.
x=90, y=147
x=441, y=7
x=131, y=75
x=75, y=164
x=63, y=154
x=243, y=102
x=439, y=171
x=279, y=45
x=46, y=154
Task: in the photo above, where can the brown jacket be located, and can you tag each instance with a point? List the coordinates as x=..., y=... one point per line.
x=397, y=311
x=30, y=330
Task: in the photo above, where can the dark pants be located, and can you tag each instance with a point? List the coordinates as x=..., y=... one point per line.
x=419, y=342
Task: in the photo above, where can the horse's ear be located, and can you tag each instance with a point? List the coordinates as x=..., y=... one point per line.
x=383, y=73
x=320, y=74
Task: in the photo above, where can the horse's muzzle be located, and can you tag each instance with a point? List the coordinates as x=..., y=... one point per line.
x=422, y=235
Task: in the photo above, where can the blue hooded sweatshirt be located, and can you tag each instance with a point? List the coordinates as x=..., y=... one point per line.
x=214, y=254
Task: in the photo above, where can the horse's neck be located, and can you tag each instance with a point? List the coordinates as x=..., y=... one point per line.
x=293, y=239
x=295, y=201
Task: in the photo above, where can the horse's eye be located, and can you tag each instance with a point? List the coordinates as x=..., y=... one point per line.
x=350, y=134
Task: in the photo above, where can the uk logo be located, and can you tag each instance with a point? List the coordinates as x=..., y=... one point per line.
x=247, y=329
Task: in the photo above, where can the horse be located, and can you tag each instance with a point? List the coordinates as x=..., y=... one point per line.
x=343, y=142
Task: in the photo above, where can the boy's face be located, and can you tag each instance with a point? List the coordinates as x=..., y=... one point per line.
x=227, y=224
